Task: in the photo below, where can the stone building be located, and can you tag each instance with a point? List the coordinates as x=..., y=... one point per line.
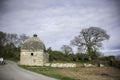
x=33, y=52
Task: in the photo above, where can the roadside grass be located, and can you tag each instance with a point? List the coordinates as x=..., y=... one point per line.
x=48, y=71
x=78, y=73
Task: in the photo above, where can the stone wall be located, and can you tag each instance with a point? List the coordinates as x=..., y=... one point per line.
x=91, y=65
x=60, y=65
x=33, y=58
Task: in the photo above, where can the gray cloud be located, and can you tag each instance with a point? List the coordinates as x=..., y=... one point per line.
x=57, y=22
x=2, y=5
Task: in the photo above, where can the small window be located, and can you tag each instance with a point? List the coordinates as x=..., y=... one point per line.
x=31, y=54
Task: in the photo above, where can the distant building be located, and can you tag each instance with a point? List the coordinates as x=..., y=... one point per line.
x=33, y=52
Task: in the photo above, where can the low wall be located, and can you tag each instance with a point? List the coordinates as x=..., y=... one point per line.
x=91, y=65
x=60, y=65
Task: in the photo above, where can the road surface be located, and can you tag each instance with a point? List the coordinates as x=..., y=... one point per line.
x=11, y=71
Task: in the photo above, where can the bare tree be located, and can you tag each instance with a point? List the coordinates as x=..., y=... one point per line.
x=11, y=39
x=90, y=39
x=67, y=49
x=2, y=38
x=22, y=38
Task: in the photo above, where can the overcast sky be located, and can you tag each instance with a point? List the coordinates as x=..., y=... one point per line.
x=57, y=22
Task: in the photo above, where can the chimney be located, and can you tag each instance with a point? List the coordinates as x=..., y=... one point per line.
x=35, y=35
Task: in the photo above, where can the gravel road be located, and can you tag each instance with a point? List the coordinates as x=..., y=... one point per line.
x=11, y=71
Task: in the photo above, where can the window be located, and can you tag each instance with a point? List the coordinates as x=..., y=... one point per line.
x=31, y=54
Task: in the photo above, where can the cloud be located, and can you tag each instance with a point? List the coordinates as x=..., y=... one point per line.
x=57, y=22
x=114, y=52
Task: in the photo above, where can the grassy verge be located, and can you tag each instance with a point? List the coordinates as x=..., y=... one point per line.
x=48, y=71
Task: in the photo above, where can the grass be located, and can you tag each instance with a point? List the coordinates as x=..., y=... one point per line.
x=79, y=73
x=48, y=71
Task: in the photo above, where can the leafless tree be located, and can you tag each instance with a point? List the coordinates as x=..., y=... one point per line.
x=67, y=49
x=22, y=38
x=90, y=39
x=11, y=39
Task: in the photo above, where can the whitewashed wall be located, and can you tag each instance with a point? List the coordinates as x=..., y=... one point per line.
x=60, y=65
